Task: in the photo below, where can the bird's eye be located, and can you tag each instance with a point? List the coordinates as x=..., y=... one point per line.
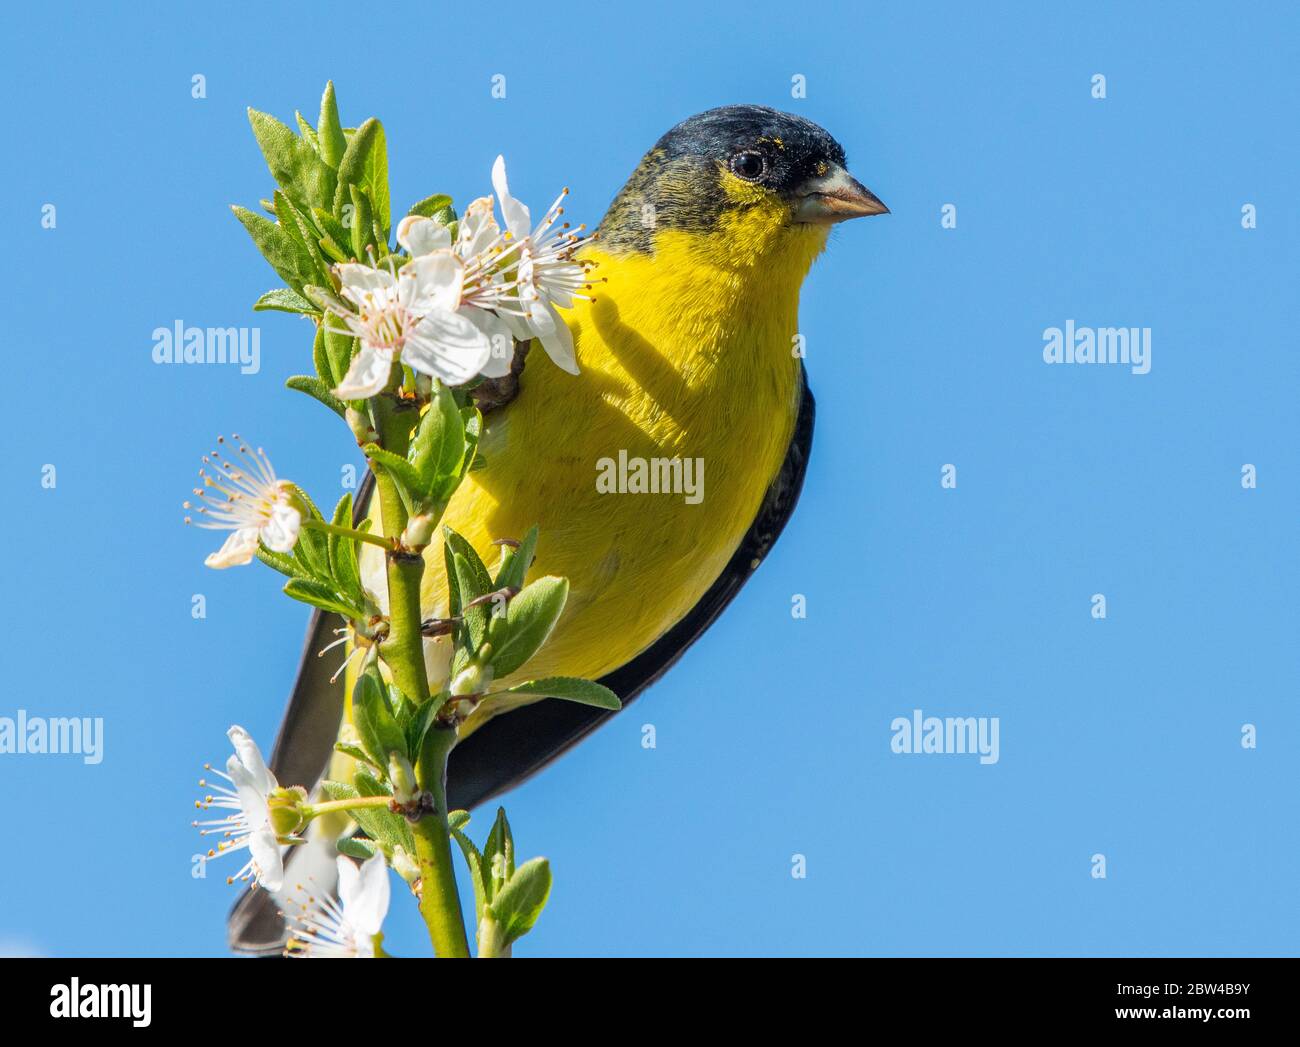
x=748, y=165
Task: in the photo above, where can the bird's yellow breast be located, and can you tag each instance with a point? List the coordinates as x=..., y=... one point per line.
x=685, y=354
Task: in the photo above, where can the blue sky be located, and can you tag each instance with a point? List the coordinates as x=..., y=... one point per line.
x=1119, y=736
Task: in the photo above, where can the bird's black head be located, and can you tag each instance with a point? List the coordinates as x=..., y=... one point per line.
x=747, y=163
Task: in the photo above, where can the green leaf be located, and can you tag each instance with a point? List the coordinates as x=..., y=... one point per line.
x=480, y=579
x=321, y=359
x=343, y=553
x=368, y=785
x=432, y=205
x=278, y=247
x=515, y=562
x=395, y=464
x=530, y=617
x=571, y=689
x=355, y=751
x=379, y=237
x=332, y=227
x=521, y=901
x=311, y=263
x=449, y=566
x=403, y=710
x=342, y=516
x=365, y=164
x=315, y=388
x=328, y=129
x=476, y=872
x=307, y=131
x=304, y=263
x=457, y=819
x=472, y=580
x=307, y=501
x=339, y=347
x=473, y=430
x=318, y=594
x=285, y=301
x=354, y=848
x=498, y=855
x=312, y=551
x=331, y=249
x=374, y=720
x=338, y=790
x=362, y=218
x=329, y=303
x=305, y=498
x=474, y=618
x=281, y=562
x=420, y=723
x=439, y=442
x=384, y=827
x=292, y=162
x=377, y=184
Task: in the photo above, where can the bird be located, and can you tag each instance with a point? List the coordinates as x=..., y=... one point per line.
x=687, y=349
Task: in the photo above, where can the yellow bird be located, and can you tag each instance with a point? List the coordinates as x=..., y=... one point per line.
x=687, y=352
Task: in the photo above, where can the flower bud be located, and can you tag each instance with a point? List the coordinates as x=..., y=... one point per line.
x=405, y=864
x=286, y=809
x=418, y=531
x=402, y=775
x=475, y=678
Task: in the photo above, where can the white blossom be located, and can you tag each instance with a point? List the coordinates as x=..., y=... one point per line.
x=245, y=497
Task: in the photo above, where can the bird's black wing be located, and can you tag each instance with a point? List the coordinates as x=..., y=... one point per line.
x=516, y=745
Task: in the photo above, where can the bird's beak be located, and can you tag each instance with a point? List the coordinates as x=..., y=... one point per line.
x=835, y=197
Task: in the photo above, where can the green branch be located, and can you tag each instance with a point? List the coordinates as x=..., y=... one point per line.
x=439, y=896
x=348, y=532
x=403, y=652
x=315, y=810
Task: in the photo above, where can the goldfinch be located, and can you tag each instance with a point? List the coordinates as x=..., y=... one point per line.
x=686, y=351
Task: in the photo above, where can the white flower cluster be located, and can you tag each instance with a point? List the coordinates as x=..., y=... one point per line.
x=453, y=310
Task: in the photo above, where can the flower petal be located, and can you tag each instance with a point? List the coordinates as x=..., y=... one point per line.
x=478, y=228
x=556, y=337
x=237, y=550
x=250, y=758
x=518, y=220
x=250, y=794
x=349, y=880
x=519, y=326
x=432, y=281
x=447, y=346
x=280, y=533
x=500, y=337
x=420, y=235
x=268, y=864
x=368, y=374
x=368, y=905
x=358, y=279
